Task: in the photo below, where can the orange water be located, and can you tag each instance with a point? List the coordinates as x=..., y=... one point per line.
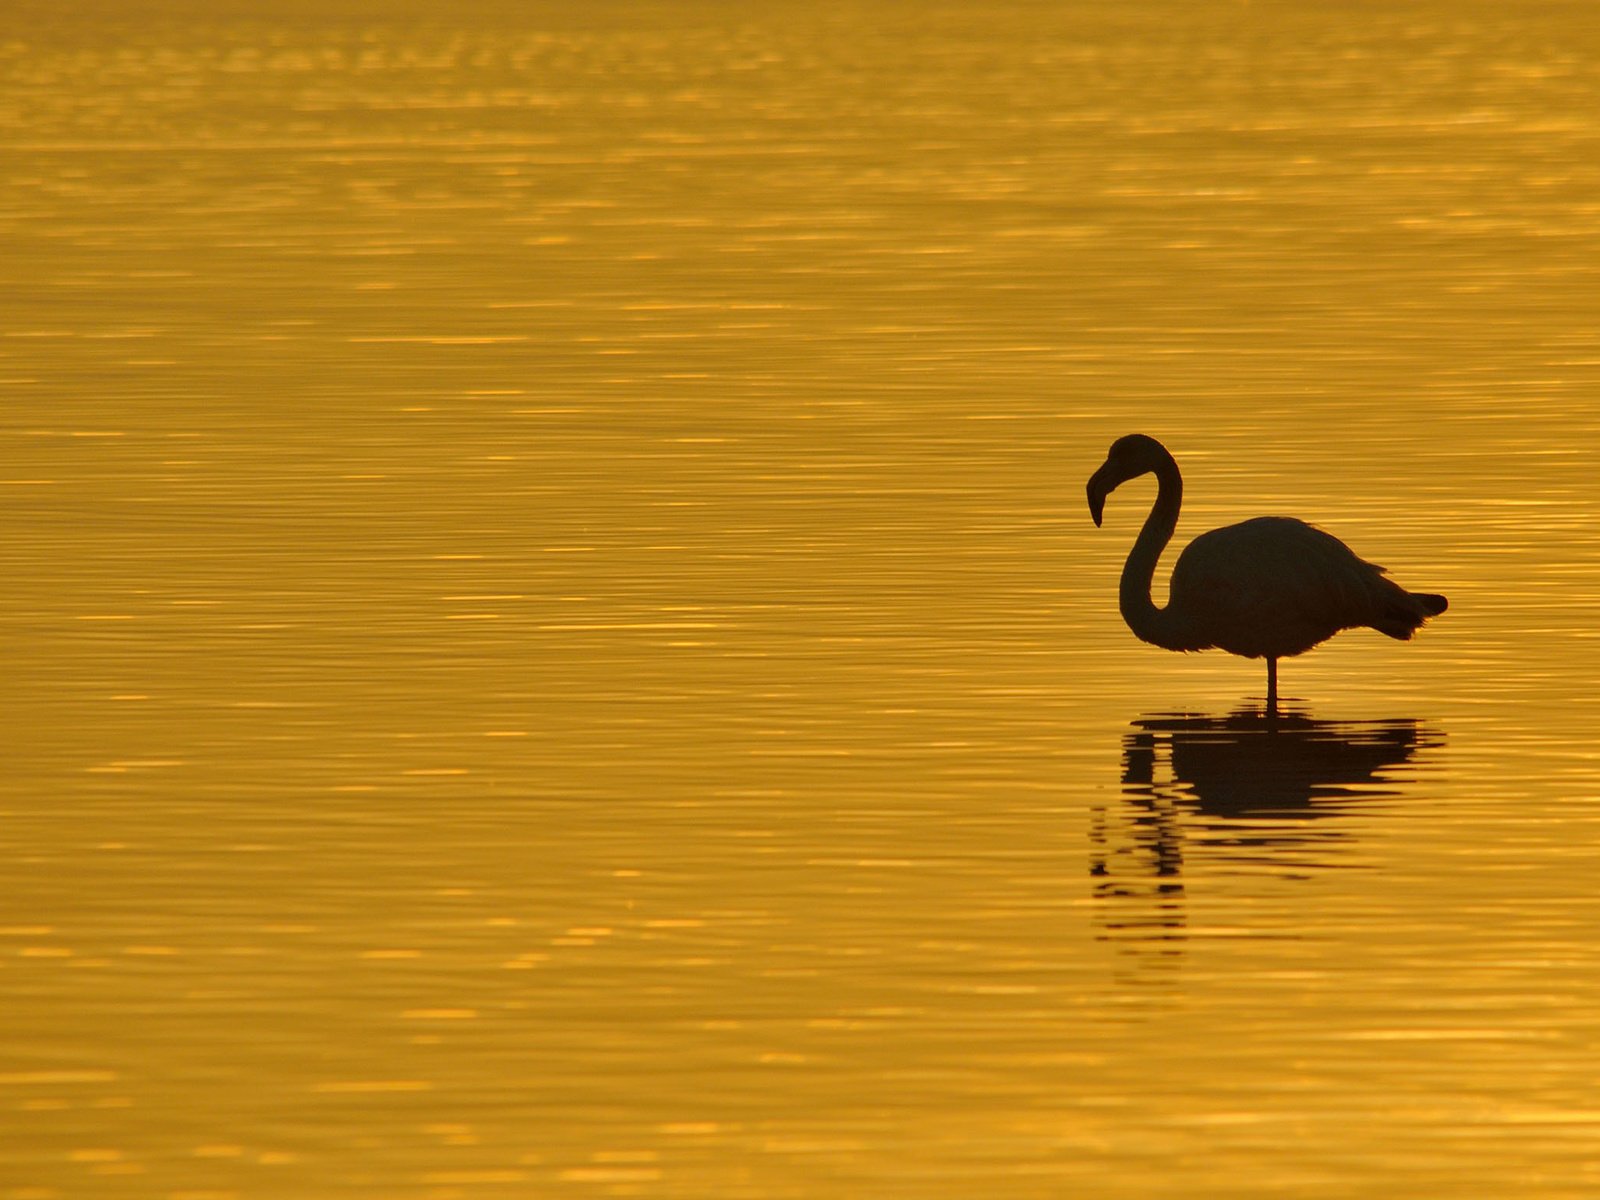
x=555, y=645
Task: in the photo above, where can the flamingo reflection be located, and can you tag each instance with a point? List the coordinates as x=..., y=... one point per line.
x=1250, y=791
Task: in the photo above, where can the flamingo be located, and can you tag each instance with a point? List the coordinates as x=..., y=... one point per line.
x=1268, y=588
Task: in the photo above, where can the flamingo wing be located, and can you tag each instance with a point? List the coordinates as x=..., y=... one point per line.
x=1274, y=586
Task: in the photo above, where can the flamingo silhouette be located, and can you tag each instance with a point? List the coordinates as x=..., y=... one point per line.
x=1267, y=588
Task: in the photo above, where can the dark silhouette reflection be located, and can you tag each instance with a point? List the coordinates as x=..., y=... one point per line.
x=1249, y=792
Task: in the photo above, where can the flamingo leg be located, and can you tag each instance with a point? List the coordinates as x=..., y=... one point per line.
x=1272, y=684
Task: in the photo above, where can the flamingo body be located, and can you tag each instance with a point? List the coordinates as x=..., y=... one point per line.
x=1268, y=588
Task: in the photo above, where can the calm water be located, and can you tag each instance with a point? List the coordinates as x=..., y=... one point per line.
x=554, y=645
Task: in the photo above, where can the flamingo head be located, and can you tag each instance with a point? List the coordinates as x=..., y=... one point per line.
x=1128, y=458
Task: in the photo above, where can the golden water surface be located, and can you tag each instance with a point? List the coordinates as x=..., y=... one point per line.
x=554, y=645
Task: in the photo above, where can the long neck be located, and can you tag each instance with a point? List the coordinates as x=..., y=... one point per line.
x=1159, y=626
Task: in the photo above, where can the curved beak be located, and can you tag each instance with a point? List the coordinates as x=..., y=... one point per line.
x=1099, y=488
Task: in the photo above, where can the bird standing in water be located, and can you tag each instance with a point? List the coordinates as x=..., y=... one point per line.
x=1267, y=588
